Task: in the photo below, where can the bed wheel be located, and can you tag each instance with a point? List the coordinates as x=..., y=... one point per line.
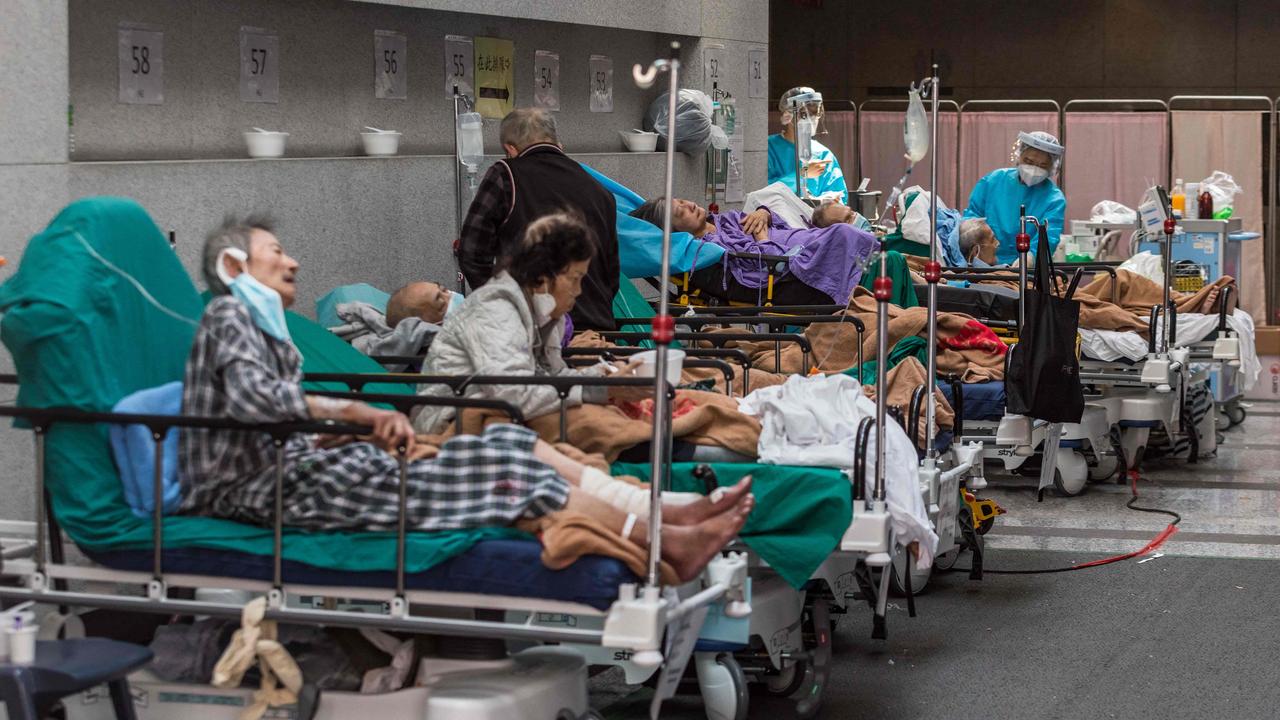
x=723, y=686
x=1108, y=464
x=787, y=680
x=1235, y=414
x=1071, y=474
x=817, y=624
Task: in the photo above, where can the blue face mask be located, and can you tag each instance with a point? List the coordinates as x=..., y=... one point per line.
x=265, y=305
x=455, y=301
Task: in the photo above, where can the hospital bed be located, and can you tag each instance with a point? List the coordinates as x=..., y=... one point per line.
x=500, y=571
x=786, y=642
x=113, y=322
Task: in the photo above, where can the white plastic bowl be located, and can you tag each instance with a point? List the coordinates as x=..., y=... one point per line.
x=639, y=141
x=649, y=364
x=380, y=143
x=265, y=144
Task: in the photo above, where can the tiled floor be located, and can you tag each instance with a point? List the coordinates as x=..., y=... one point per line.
x=1191, y=634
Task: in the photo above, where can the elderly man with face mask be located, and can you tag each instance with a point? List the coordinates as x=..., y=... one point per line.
x=1037, y=157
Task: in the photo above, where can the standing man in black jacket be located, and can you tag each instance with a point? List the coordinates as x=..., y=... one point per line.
x=536, y=179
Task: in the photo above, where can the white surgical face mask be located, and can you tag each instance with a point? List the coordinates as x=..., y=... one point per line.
x=543, y=305
x=455, y=301
x=265, y=304
x=1031, y=175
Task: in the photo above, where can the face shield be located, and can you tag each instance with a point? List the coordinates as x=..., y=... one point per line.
x=1045, y=145
x=801, y=103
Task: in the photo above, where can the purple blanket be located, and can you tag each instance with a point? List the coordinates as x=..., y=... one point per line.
x=828, y=259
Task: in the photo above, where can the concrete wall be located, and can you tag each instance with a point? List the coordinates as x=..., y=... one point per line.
x=1013, y=49
x=326, y=78
x=347, y=218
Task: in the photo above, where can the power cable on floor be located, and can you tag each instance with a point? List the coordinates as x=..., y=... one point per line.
x=1152, y=546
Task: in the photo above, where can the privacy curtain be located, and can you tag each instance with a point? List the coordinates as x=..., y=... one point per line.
x=1112, y=156
x=881, y=150
x=1231, y=141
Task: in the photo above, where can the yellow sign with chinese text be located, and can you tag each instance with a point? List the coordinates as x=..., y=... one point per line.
x=495, y=77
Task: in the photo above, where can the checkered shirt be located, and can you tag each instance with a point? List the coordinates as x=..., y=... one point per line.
x=236, y=371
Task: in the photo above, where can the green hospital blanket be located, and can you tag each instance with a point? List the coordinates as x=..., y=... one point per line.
x=82, y=336
x=904, y=291
x=801, y=512
x=913, y=346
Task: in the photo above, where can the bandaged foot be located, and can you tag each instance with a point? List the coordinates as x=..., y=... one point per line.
x=720, y=500
x=677, y=508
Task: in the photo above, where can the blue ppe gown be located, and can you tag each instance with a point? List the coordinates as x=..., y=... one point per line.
x=998, y=198
x=782, y=168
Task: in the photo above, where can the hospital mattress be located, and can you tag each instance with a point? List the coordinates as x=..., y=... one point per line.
x=510, y=567
x=985, y=302
x=982, y=401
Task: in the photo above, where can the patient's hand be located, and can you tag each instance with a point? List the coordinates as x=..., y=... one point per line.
x=629, y=393
x=756, y=224
x=391, y=429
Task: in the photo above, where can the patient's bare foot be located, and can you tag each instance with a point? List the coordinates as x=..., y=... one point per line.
x=699, y=510
x=690, y=547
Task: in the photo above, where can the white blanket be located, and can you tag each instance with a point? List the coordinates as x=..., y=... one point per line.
x=1110, y=345
x=783, y=202
x=814, y=421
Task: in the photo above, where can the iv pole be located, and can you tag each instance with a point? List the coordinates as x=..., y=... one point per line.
x=663, y=324
x=932, y=271
x=462, y=103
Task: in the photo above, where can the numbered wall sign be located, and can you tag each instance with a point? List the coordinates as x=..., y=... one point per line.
x=713, y=70
x=546, y=80
x=141, y=64
x=757, y=79
x=390, y=65
x=601, y=69
x=259, y=65
x=459, y=65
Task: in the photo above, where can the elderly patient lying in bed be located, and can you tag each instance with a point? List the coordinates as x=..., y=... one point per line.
x=825, y=263
x=243, y=366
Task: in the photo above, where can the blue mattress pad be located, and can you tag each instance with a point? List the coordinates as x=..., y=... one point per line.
x=490, y=567
x=982, y=401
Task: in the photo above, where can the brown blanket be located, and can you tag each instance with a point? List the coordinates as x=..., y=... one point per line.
x=567, y=536
x=902, y=382
x=700, y=418
x=1138, y=294
x=835, y=345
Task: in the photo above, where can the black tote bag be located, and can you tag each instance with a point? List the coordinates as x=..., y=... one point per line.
x=1043, y=379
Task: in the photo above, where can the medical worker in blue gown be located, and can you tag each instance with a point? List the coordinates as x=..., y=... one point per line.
x=823, y=172
x=999, y=196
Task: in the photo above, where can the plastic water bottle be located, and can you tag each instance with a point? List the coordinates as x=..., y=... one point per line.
x=1178, y=199
x=470, y=139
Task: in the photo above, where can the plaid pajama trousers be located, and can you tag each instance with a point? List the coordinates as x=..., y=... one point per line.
x=476, y=481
